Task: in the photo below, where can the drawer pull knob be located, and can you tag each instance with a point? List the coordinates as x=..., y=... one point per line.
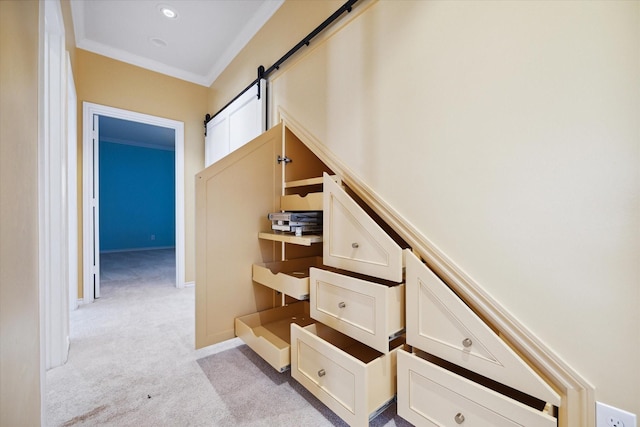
x=321, y=373
x=355, y=245
x=341, y=305
x=459, y=418
x=467, y=343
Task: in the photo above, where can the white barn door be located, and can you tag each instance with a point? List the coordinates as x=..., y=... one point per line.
x=237, y=124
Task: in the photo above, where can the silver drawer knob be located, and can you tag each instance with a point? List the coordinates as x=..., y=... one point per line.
x=321, y=373
x=467, y=343
x=459, y=418
x=355, y=245
x=341, y=305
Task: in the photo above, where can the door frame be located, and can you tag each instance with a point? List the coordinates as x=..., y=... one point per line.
x=72, y=185
x=53, y=194
x=89, y=110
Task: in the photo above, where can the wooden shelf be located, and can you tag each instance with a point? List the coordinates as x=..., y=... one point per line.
x=268, y=332
x=303, y=182
x=290, y=277
x=305, y=239
x=306, y=182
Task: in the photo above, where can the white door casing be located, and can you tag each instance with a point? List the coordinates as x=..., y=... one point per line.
x=52, y=190
x=72, y=185
x=91, y=213
x=90, y=191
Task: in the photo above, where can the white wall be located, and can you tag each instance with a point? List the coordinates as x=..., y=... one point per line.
x=508, y=134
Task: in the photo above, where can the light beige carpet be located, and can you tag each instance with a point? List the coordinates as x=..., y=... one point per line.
x=256, y=394
x=132, y=363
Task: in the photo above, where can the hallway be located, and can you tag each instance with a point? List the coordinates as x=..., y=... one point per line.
x=131, y=359
x=132, y=363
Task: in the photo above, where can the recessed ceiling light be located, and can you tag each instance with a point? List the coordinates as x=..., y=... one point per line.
x=168, y=12
x=158, y=42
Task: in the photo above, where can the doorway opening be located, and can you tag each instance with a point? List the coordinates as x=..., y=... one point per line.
x=108, y=123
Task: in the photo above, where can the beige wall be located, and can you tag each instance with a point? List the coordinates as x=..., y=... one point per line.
x=291, y=23
x=20, y=379
x=105, y=81
x=508, y=134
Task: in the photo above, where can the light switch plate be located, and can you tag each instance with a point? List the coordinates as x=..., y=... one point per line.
x=609, y=416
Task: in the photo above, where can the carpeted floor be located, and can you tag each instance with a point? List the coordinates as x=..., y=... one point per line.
x=132, y=363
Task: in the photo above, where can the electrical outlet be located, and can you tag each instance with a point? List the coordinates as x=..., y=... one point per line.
x=608, y=416
x=153, y=237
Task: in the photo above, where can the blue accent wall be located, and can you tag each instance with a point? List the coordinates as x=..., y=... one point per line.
x=137, y=197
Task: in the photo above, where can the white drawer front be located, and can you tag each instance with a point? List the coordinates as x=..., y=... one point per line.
x=336, y=381
x=353, y=380
x=355, y=242
x=429, y=395
x=367, y=311
x=440, y=323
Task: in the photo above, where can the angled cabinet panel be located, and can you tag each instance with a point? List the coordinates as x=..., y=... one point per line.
x=440, y=323
x=355, y=242
x=232, y=197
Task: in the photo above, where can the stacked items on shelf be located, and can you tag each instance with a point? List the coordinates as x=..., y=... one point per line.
x=306, y=222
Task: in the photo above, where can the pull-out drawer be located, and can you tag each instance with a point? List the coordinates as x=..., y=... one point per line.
x=268, y=332
x=429, y=395
x=370, y=312
x=353, y=240
x=353, y=380
x=289, y=277
x=440, y=323
x=296, y=202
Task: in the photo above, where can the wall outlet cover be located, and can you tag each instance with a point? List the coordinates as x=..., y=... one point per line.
x=609, y=416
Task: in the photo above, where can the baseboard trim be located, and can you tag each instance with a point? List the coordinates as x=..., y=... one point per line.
x=189, y=285
x=153, y=248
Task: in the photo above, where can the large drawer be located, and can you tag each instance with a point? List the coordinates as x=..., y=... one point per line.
x=353, y=241
x=370, y=312
x=353, y=380
x=440, y=323
x=289, y=277
x=268, y=332
x=429, y=395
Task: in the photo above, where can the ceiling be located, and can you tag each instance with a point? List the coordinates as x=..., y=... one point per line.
x=195, y=46
x=120, y=131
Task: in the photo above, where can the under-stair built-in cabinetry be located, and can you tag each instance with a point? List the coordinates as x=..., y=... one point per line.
x=291, y=259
